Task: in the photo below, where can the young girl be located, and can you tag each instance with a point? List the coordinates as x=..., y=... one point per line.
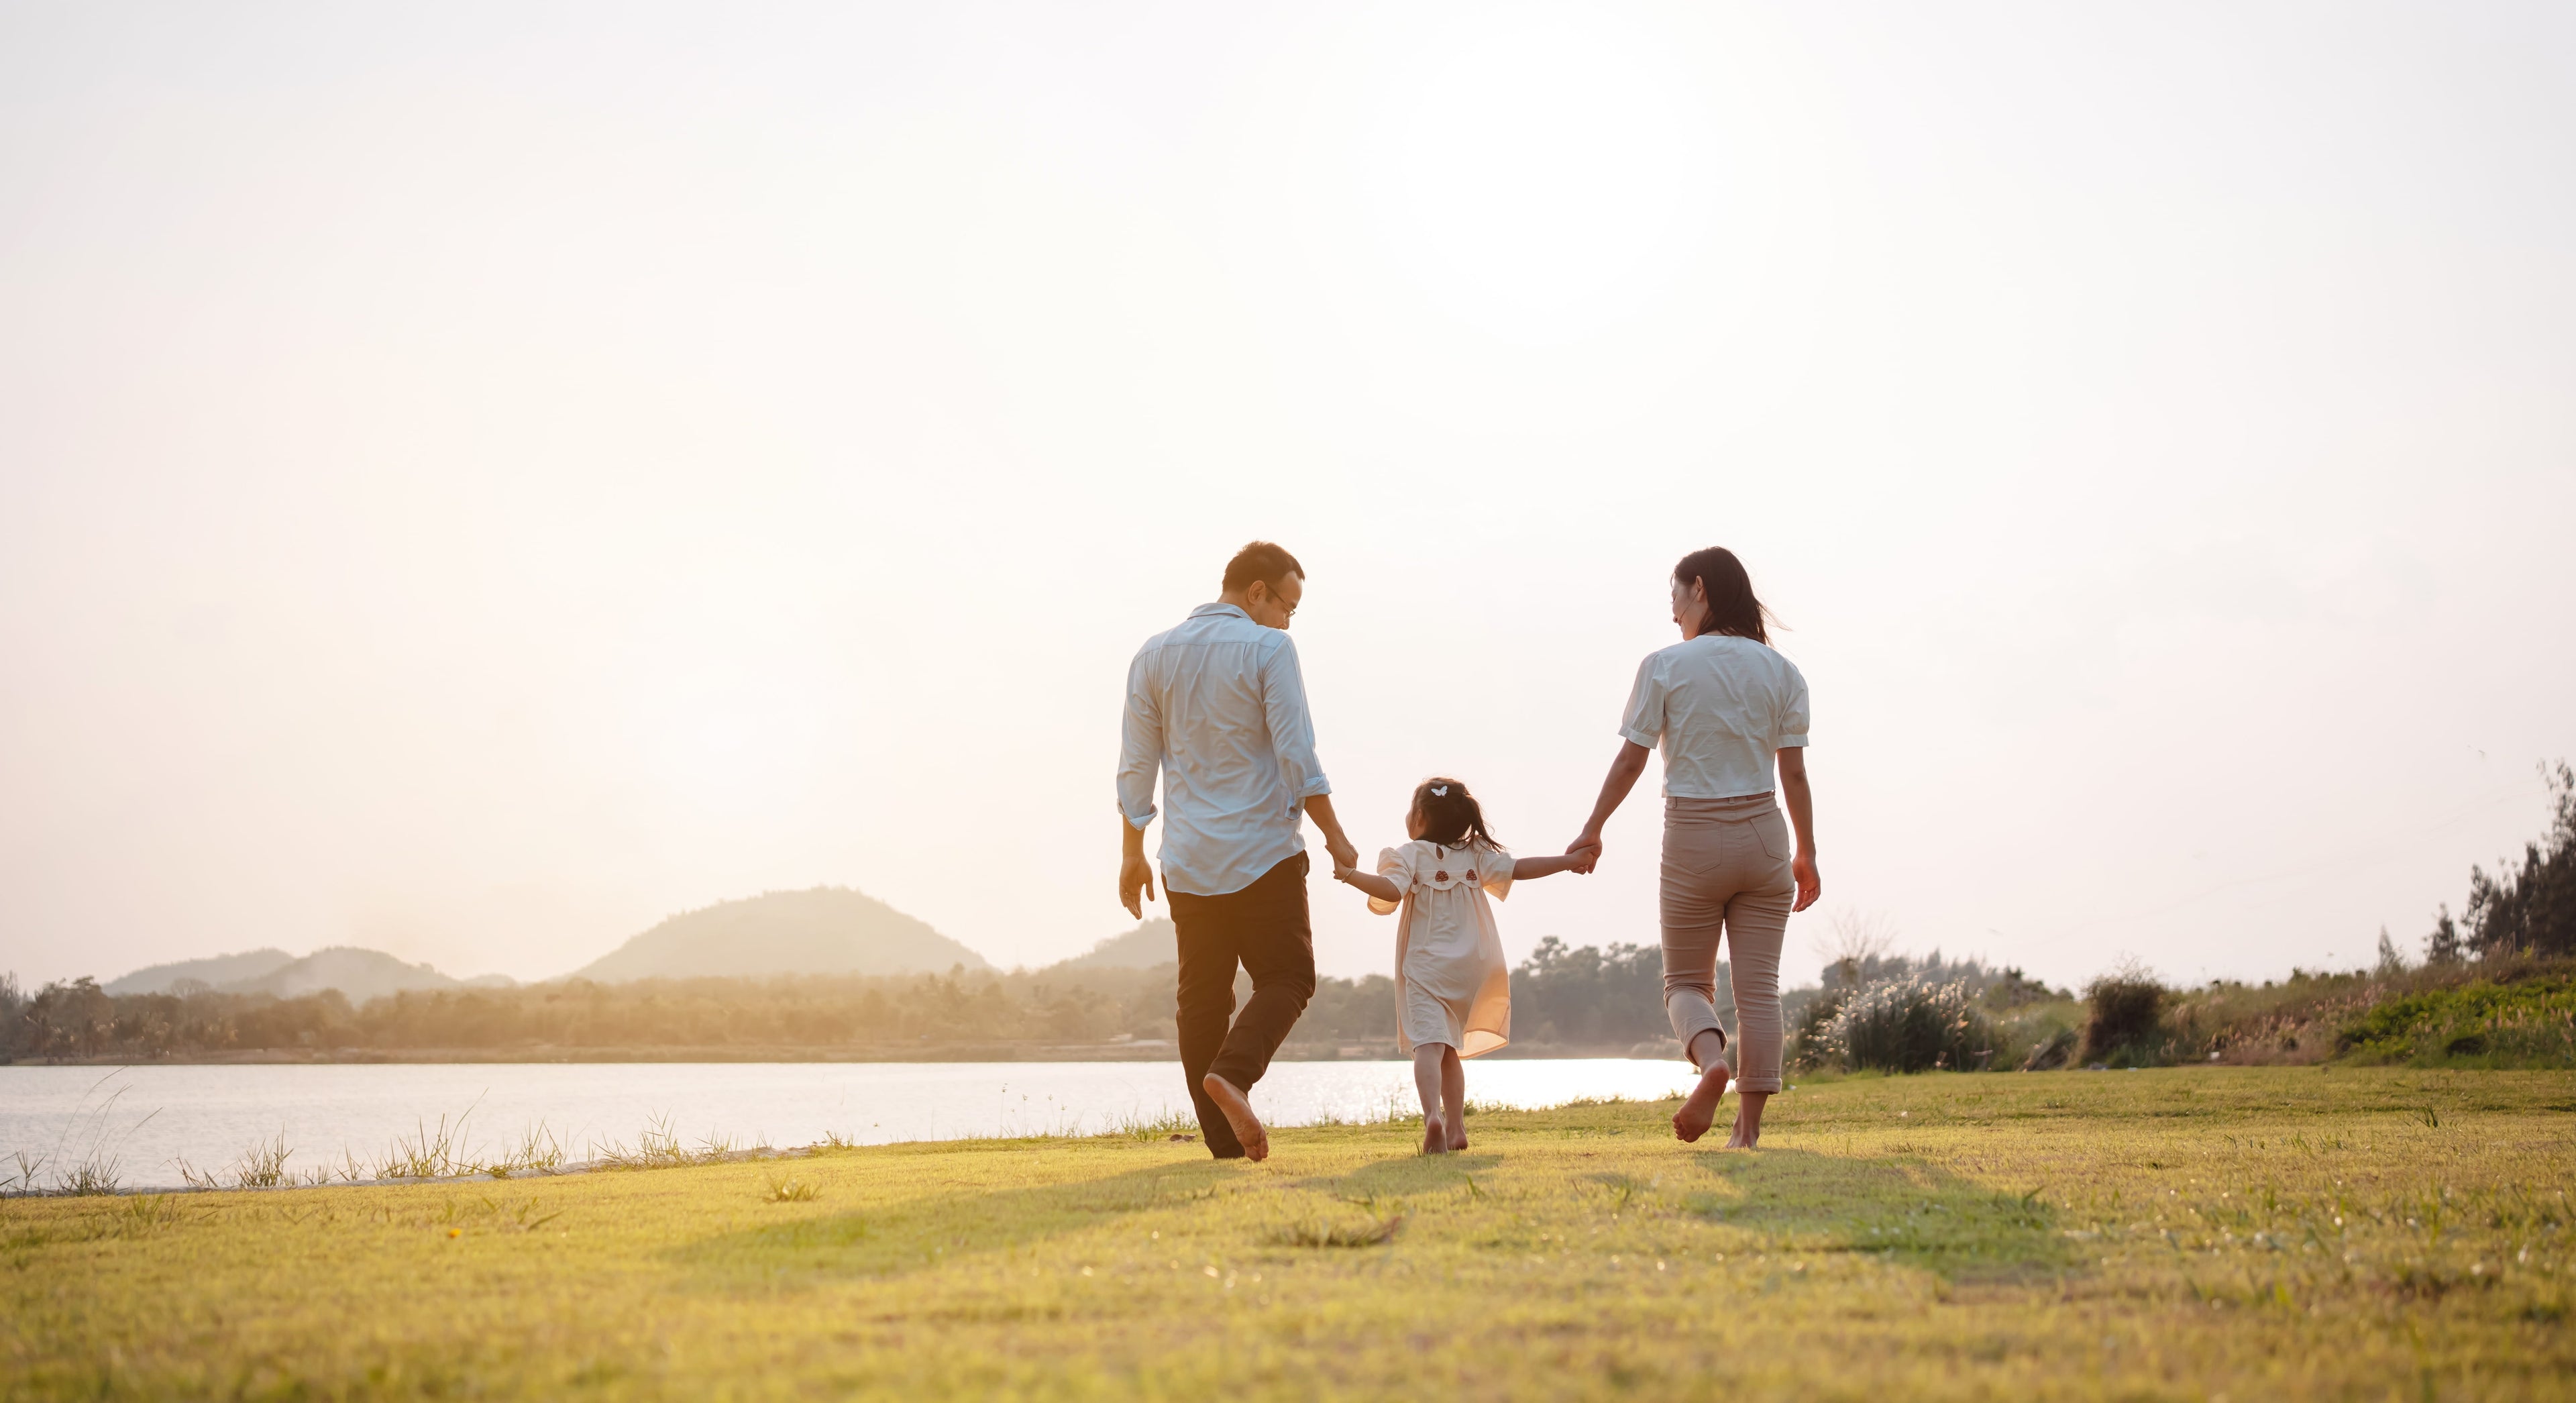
x=1453, y=991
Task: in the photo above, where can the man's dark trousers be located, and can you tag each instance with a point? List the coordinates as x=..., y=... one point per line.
x=1263, y=927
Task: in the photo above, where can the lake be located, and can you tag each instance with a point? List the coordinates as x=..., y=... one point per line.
x=149, y=1118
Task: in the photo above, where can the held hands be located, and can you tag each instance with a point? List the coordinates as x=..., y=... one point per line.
x=1586, y=851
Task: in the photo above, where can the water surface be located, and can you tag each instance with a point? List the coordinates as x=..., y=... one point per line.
x=150, y=1118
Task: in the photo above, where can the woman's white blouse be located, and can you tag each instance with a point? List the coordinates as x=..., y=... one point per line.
x=1720, y=708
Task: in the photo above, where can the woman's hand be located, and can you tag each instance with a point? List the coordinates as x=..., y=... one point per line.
x=1629, y=763
x=1585, y=850
x=1801, y=801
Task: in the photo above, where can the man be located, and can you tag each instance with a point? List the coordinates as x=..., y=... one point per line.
x=1219, y=706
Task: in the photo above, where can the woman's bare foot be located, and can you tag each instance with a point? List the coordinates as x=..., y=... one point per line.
x=1693, y=1119
x=1435, y=1136
x=1238, y=1113
x=1457, y=1137
x=1747, y=1134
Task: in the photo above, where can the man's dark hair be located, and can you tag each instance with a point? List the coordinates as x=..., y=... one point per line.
x=1260, y=561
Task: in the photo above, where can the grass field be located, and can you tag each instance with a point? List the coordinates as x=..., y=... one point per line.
x=2247, y=1233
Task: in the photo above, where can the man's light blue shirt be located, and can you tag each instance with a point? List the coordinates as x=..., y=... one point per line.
x=1219, y=706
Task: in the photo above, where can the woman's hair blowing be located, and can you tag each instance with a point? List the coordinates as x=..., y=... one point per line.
x=1450, y=815
x=1732, y=609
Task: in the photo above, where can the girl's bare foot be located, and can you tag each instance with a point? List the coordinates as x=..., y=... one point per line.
x=1435, y=1136
x=1693, y=1119
x=1238, y=1113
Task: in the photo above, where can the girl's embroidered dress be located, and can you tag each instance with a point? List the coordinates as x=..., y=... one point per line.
x=1451, y=984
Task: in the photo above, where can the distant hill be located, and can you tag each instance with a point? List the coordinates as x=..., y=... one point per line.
x=359, y=975
x=220, y=970
x=1148, y=945
x=828, y=930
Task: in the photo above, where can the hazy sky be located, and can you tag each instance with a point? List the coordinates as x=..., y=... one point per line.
x=476, y=480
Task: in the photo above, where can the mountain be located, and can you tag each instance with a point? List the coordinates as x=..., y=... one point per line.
x=221, y=969
x=829, y=930
x=1148, y=945
x=359, y=975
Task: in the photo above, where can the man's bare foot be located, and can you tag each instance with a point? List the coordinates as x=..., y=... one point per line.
x=1435, y=1138
x=1693, y=1119
x=1238, y=1113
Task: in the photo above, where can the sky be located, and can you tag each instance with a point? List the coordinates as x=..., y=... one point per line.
x=478, y=479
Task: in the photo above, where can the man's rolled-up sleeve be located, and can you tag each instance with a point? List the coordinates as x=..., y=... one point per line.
x=1292, y=728
x=1140, y=748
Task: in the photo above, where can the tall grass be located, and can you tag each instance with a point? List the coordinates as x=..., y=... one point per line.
x=1165, y=1125
x=1907, y=1025
x=659, y=1147
x=263, y=1166
x=87, y=1158
x=429, y=1152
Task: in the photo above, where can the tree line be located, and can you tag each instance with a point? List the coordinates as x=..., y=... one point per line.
x=1563, y=996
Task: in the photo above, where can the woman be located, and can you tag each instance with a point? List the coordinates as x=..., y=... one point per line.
x=1727, y=711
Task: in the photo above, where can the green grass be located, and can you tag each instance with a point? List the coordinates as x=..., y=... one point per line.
x=2530, y=1023
x=2252, y=1233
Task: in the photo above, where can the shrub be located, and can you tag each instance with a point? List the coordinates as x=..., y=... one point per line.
x=2531, y=1023
x=1907, y=1025
x=2014, y=989
x=2127, y=1017
x=1811, y=1042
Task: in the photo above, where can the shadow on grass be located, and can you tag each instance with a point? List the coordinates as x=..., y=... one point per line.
x=938, y=1230
x=1901, y=1210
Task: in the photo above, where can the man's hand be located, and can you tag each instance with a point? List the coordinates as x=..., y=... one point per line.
x=1135, y=875
x=1319, y=807
x=1810, y=886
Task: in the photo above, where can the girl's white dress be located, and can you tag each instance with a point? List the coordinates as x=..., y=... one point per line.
x=1451, y=984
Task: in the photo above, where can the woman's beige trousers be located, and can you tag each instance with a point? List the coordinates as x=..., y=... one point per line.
x=1726, y=872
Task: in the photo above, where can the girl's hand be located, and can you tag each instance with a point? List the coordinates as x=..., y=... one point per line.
x=1369, y=883
x=1585, y=850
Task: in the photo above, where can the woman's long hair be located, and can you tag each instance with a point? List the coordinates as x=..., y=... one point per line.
x=1732, y=609
x=1450, y=815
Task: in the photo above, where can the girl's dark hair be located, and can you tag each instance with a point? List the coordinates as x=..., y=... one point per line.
x=1732, y=609
x=1452, y=816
